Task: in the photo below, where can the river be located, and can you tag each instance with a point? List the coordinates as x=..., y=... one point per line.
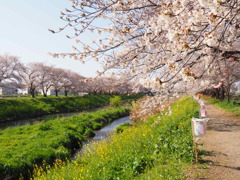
x=101, y=134
x=40, y=119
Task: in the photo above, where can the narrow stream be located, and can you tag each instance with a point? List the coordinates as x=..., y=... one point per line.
x=41, y=119
x=101, y=134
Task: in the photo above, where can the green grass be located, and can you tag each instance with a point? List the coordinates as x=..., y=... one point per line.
x=132, y=96
x=231, y=106
x=123, y=127
x=22, y=108
x=16, y=109
x=158, y=148
x=115, y=101
x=24, y=146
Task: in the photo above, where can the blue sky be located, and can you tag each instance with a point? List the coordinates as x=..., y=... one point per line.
x=24, y=33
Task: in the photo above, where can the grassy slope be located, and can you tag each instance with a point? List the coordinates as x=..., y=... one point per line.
x=31, y=107
x=24, y=146
x=156, y=149
x=22, y=108
x=228, y=106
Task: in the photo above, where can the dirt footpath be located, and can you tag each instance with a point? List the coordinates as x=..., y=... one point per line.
x=222, y=145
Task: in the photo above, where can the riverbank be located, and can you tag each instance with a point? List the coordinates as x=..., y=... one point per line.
x=17, y=109
x=42, y=119
x=23, y=108
x=158, y=148
x=24, y=146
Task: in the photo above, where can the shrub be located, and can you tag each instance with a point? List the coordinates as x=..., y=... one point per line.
x=89, y=132
x=123, y=127
x=115, y=101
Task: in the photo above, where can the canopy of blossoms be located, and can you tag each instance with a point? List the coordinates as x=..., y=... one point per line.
x=169, y=45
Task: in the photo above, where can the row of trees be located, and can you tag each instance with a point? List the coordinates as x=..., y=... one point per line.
x=37, y=76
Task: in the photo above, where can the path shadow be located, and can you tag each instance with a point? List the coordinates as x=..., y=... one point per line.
x=224, y=127
x=203, y=153
x=229, y=167
x=212, y=163
x=204, y=161
x=206, y=153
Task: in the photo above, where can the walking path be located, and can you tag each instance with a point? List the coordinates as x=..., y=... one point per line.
x=222, y=145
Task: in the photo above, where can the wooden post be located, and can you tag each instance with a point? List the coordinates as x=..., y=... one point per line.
x=195, y=150
x=194, y=143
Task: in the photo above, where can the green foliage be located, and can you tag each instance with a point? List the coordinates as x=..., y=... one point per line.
x=89, y=132
x=22, y=108
x=123, y=127
x=132, y=96
x=155, y=149
x=24, y=146
x=115, y=101
x=15, y=109
x=231, y=106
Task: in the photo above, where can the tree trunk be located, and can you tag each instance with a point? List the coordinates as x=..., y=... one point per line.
x=32, y=93
x=228, y=94
x=56, y=92
x=66, y=93
x=222, y=93
x=217, y=93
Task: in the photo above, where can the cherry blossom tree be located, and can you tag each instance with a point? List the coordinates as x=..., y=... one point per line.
x=45, y=77
x=34, y=76
x=10, y=68
x=93, y=85
x=58, y=79
x=168, y=44
x=77, y=82
x=67, y=81
x=231, y=75
x=112, y=85
x=30, y=75
x=226, y=75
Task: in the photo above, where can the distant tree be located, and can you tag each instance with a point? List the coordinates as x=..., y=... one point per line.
x=111, y=85
x=45, y=77
x=30, y=76
x=57, y=78
x=226, y=74
x=72, y=82
x=67, y=82
x=10, y=68
x=92, y=85
x=78, y=83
